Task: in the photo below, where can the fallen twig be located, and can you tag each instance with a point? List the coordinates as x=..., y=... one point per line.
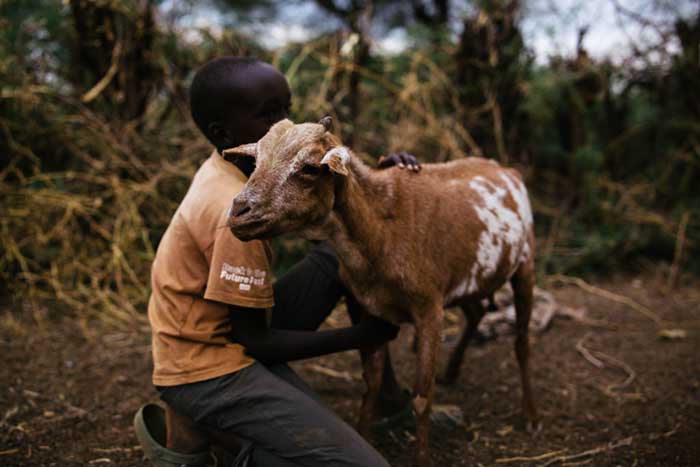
x=591, y=452
x=579, y=315
x=577, y=281
x=101, y=460
x=546, y=455
x=111, y=450
x=345, y=375
x=572, y=464
x=671, y=432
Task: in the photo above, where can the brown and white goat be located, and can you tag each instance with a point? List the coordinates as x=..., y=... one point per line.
x=408, y=245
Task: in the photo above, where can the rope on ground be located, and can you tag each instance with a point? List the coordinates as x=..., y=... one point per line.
x=599, y=359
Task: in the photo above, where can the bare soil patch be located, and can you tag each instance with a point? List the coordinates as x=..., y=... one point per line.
x=69, y=391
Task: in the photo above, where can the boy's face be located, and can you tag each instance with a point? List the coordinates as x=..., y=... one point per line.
x=260, y=97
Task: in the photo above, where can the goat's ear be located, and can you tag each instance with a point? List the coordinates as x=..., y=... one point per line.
x=336, y=160
x=250, y=150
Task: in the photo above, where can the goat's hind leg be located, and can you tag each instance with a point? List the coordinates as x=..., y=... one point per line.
x=473, y=312
x=523, y=283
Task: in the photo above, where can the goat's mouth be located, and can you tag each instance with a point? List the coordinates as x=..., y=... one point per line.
x=249, y=227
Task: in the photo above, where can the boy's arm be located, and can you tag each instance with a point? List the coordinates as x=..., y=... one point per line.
x=268, y=345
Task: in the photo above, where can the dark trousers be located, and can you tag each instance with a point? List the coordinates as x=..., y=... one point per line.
x=283, y=421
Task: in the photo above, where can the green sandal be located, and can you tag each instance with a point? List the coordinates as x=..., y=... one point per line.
x=149, y=425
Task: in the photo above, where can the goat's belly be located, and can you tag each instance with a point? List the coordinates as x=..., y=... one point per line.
x=499, y=232
x=497, y=257
x=388, y=310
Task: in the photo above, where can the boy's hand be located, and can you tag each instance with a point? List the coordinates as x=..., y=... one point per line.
x=403, y=160
x=377, y=330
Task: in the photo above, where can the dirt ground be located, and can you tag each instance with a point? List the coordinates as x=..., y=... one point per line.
x=69, y=390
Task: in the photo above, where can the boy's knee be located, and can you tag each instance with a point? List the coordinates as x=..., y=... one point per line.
x=183, y=434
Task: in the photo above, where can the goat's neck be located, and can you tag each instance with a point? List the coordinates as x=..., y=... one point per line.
x=362, y=205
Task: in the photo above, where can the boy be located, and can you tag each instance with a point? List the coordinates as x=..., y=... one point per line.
x=218, y=366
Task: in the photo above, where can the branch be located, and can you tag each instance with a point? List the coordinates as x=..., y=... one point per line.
x=107, y=78
x=606, y=447
x=607, y=295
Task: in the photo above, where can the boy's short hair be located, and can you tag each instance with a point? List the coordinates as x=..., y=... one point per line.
x=210, y=89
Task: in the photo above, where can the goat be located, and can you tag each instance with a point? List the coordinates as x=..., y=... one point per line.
x=408, y=246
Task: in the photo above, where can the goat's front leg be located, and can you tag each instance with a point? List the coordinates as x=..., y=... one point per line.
x=373, y=362
x=373, y=369
x=428, y=328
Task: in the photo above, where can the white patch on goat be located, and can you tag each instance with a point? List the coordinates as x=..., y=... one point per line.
x=502, y=227
x=519, y=193
x=525, y=255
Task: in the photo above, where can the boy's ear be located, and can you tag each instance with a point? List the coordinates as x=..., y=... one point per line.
x=217, y=133
x=250, y=150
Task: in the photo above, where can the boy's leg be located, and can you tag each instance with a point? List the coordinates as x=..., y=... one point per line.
x=283, y=421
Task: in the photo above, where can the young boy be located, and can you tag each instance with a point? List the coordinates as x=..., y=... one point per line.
x=217, y=364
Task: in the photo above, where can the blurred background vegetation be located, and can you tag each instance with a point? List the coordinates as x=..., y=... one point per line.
x=97, y=147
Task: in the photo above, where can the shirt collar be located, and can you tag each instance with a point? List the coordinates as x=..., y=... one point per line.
x=227, y=166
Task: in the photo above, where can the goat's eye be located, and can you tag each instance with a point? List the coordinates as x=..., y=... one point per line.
x=310, y=170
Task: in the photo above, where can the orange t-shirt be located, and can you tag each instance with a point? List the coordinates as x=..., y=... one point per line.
x=199, y=268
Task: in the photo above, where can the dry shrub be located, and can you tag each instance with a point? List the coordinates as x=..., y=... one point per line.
x=82, y=238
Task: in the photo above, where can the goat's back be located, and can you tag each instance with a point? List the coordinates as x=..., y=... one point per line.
x=461, y=227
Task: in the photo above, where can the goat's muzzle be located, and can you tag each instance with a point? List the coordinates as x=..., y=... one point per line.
x=240, y=207
x=245, y=221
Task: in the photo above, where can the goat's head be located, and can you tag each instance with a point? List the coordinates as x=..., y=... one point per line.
x=293, y=186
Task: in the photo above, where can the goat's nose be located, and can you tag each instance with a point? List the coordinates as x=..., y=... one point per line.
x=240, y=206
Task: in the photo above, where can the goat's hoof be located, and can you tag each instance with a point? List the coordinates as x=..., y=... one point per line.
x=533, y=426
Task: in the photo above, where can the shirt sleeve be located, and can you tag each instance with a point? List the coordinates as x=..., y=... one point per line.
x=239, y=273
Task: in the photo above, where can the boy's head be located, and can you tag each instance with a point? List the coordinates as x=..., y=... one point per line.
x=235, y=100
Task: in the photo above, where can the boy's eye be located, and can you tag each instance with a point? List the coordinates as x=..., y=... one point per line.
x=310, y=170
